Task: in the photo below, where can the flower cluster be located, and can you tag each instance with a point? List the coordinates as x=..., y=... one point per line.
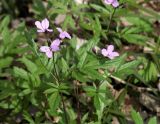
x=114, y=3
x=109, y=52
x=43, y=26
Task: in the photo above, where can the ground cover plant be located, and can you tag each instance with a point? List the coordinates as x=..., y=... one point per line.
x=79, y=61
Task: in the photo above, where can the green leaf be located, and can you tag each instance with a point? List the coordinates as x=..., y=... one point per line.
x=29, y=64
x=136, y=117
x=82, y=60
x=69, y=22
x=35, y=80
x=150, y=72
x=121, y=96
x=19, y=72
x=141, y=23
x=64, y=66
x=135, y=38
x=6, y=62
x=84, y=118
x=114, y=63
x=131, y=30
x=6, y=93
x=91, y=91
x=94, y=74
x=6, y=36
x=97, y=103
x=72, y=115
x=28, y=117
x=31, y=42
x=39, y=8
x=128, y=65
x=100, y=9
x=25, y=92
x=152, y=120
x=51, y=90
x=5, y=22
x=54, y=101
x=79, y=76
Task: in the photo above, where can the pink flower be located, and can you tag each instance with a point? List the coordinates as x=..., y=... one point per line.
x=63, y=34
x=53, y=48
x=109, y=52
x=43, y=26
x=114, y=3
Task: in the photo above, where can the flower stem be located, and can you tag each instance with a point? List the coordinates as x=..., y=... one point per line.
x=78, y=105
x=56, y=77
x=57, y=82
x=111, y=17
x=64, y=107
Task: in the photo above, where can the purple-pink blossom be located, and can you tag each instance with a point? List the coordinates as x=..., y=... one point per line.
x=43, y=26
x=114, y=3
x=109, y=52
x=53, y=48
x=63, y=34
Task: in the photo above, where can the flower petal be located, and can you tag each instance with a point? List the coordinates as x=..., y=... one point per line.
x=49, y=30
x=67, y=35
x=104, y=52
x=40, y=31
x=45, y=23
x=110, y=49
x=44, y=49
x=115, y=3
x=55, y=45
x=49, y=54
x=108, y=1
x=114, y=54
x=56, y=42
x=55, y=48
x=59, y=29
x=38, y=25
x=62, y=35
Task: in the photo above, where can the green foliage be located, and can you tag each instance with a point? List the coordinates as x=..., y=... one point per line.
x=138, y=119
x=77, y=84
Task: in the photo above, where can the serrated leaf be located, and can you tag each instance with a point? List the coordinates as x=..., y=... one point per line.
x=54, y=101
x=140, y=23
x=64, y=66
x=4, y=22
x=51, y=90
x=84, y=118
x=82, y=60
x=152, y=120
x=97, y=103
x=128, y=65
x=19, y=72
x=135, y=38
x=6, y=36
x=94, y=74
x=5, y=62
x=28, y=117
x=29, y=64
x=79, y=76
x=136, y=117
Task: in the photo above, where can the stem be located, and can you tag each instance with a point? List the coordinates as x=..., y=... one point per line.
x=111, y=16
x=78, y=105
x=58, y=83
x=55, y=71
x=140, y=89
x=49, y=71
x=64, y=109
